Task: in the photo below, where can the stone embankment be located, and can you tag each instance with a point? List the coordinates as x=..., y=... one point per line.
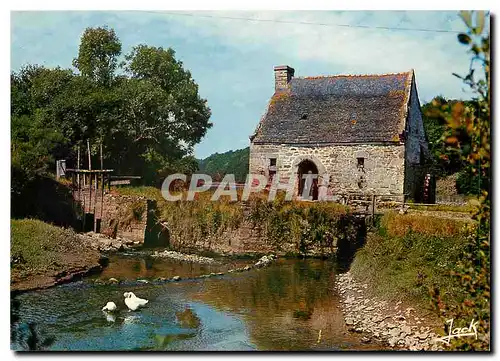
x=381, y=321
x=262, y=262
x=102, y=243
x=184, y=257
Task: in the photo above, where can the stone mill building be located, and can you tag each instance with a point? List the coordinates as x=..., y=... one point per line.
x=361, y=134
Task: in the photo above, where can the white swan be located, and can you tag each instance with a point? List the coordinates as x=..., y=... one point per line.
x=133, y=302
x=110, y=317
x=110, y=307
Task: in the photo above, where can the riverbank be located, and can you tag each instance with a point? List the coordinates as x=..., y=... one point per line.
x=43, y=255
x=392, y=323
x=387, y=292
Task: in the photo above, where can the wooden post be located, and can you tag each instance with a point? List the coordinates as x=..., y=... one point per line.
x=78, y=163
x=102, y=196
x=88, y=151
x=90, y=192
x=373, y=205
x=95, y=204
x=100, y=146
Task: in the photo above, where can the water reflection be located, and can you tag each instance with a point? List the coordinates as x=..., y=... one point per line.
x=285, y=306
x=281, y=307
x=147, y=267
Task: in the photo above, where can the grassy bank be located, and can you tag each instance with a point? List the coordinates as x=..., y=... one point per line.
x=42, y=254
x=411, y=254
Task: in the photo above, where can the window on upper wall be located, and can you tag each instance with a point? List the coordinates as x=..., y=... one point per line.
x=272, y=162
x=361, y=162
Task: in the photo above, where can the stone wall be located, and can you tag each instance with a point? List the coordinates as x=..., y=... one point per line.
x=122, y=216
x=383, y=169
x=417, y=150
x=253, y=239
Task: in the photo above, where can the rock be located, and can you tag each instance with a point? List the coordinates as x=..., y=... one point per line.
x=230, y=271
x=422, y=336
x=395, y=332
x=220, y=273
x=406, y=329
x=365, y=339
x=393, y=341
x=176, y=278
x=113, y=280
x=349, y=321
x=247, y=268
x=370, y=308
x=143, y=281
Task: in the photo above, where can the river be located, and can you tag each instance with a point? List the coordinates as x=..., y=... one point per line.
x=290, y=305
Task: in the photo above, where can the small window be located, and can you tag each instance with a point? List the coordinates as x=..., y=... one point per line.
x=272, y=161
x=361, y=162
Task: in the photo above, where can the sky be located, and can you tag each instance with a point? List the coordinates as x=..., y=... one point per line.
x=232, y=60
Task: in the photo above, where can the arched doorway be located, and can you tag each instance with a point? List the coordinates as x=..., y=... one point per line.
x=303, y=169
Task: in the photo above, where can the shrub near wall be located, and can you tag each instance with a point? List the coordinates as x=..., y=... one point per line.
x=198, y=223
x=300, y=228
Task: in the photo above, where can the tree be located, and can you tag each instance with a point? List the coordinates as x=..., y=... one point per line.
x=148, y=118
x=98, y=54
x=162, y=114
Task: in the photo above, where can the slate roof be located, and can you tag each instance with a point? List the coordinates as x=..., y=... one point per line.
x=337, y=109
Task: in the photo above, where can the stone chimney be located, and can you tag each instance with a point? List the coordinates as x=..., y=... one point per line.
x=282, y=76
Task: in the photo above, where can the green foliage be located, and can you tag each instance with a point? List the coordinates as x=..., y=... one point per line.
x=198, y=223
x=468, y=208
x=408, y=266
x=98, y=54
x=468, y=182
x=307, y=226
x=133, y=213
x=231, y=162
x=148, y=118
x=38, y=247
x=444, y=161
x=473, y=122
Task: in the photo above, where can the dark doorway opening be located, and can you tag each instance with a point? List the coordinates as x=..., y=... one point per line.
x=308, y=167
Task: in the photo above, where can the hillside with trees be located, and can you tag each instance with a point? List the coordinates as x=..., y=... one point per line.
x=231, y=162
